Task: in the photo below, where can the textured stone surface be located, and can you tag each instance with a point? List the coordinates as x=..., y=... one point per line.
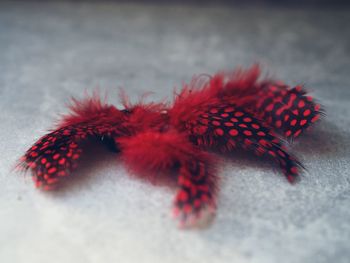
x=51, y=51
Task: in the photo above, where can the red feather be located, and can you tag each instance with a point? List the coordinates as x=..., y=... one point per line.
x=228, y=111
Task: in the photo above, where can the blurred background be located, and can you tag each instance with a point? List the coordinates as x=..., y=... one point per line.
x=52, y=50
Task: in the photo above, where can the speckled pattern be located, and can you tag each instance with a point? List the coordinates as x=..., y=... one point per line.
x=51, y=51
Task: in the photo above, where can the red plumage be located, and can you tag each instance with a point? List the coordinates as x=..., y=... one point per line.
x=228, y=111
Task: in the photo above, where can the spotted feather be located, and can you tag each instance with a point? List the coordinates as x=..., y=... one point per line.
x=56, y=154
x=197, y=191
x=289, y=110
x=229, y=127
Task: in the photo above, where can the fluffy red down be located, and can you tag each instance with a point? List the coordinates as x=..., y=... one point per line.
x=154, y=152
x=92, y=107
x=235, y=87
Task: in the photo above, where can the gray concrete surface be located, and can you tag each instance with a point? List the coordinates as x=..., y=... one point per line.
x=51, y=51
